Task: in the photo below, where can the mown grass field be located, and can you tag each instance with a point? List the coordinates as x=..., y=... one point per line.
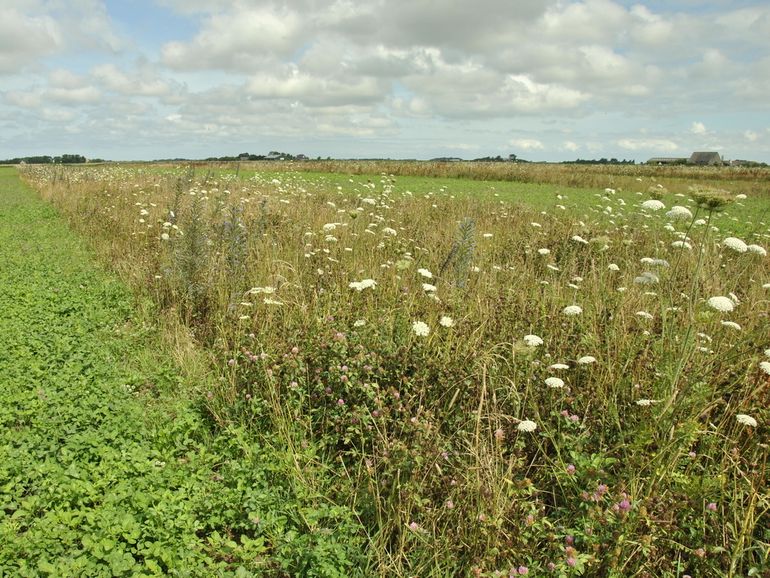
x=495, y=378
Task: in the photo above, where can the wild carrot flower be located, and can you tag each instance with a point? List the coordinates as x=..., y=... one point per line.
x=586, y=359
x=420, y=328
x=746, y=420
x=723, y=304
x=446, y=321
x=363, y=284
x=765, y=366
x=425, y=273
x=735, y=244
x=757, y=249
x=532, y=340
x=731, y=325
x=653, y=205
x=526, y=426
x=678, y=213
x=572, y=310
x=554, y=382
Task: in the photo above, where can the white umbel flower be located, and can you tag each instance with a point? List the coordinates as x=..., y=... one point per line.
x=572, y=310
x=735, y=244
x=533, y=340
x=554, y=382
x=446, y=321
x=527, y=425
x=678, y=213
x=731, y=325
x=744, y=419
x=363, y=284
x=420, y=328
x=425, y=273
x=757, y=250
x=586, y=360
x=653, y=205
x=613, y=267
x=720, y=303
x=765, y=366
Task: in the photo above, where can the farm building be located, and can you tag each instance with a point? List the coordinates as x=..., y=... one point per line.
x=710, y=159
x=667, y=161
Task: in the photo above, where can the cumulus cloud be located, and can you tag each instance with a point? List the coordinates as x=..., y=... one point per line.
x=647, y=144
x=371, y=69
x=526, y=144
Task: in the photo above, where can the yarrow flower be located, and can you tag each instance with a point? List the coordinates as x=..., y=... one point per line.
x=735, y=244
x=744, y=419
x=653, y=205
x=572, y=310
x=532, y=340
x=420, y=328
x=723, y=304
x=527, y=426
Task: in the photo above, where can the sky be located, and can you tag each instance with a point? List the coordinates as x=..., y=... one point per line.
x=546, y=80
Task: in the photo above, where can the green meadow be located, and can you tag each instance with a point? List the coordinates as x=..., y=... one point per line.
x=385, y=370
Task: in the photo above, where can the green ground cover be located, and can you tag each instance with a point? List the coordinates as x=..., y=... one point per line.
x=102, y=472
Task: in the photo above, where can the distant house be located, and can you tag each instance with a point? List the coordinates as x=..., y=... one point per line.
x=667, y=161
x=274, y=156
x=705, y=159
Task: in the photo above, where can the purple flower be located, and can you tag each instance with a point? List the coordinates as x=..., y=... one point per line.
x=712, y=507
x=571, y=469
x=523, y=570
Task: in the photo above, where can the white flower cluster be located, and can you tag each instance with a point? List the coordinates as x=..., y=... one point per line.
x=363, y=284
x=723, y=304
